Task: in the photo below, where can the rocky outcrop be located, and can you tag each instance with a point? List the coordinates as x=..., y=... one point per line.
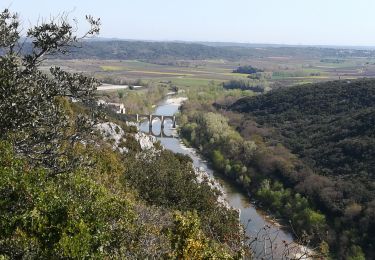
x=145, y=141
x=115, y=135
x=202, y=176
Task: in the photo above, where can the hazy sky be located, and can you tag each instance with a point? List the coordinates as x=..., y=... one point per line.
x=334, y=22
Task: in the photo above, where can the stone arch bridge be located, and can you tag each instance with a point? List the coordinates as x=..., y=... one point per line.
x=119, y=108
x=150, y=118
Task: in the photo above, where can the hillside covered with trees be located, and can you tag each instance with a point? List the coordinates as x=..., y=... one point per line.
x=250, y=164
x=330, y=127
x=330, y=124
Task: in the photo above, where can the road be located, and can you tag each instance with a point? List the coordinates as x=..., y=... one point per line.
x=115, y=87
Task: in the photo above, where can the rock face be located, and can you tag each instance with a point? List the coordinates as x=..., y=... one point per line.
x=145, y=141
x=129, y=123
x=116, y=135
x=202, y=176
x=113, y=133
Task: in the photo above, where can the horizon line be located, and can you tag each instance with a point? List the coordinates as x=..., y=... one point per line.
x=239, y=42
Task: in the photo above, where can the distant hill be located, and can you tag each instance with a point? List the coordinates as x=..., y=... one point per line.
x=148, y=50
x=144, y=50
x=330, y=125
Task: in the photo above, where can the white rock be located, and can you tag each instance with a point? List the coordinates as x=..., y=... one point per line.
x=202, y=175
x=112, y=132
x=130, y=123
x=145, y=141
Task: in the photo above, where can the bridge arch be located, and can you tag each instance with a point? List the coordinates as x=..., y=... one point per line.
x=170, y=118
x=150, y=118
x=162, y=133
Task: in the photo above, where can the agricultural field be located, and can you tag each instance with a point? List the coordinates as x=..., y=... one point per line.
x=278, y=71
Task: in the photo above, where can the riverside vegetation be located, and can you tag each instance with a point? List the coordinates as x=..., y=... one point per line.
x=305, y=153
x=67, y=192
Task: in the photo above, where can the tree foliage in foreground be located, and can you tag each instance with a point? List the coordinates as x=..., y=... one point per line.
x=31, y=114
x=66, y=216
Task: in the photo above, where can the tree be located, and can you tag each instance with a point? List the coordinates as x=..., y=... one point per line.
x=356, y=253
x=248, y=69
x=31, y=108
x=249, y=148
x=218, y=159
x=189, y=242
x=68, y=216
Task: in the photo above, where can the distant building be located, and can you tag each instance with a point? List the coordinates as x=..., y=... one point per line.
x=119, y=108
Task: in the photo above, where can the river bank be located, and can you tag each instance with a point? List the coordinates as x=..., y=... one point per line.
x=259, y=226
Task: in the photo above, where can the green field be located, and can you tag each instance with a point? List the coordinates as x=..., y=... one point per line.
x=112, y=68
x=278, y=71
x=192, y=82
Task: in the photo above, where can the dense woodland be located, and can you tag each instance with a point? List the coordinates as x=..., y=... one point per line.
x=330, y=126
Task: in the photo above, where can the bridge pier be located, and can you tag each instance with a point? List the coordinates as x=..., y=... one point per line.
x=150, y=121
x=162, y=122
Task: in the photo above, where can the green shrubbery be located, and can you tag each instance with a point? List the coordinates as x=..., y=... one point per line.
x=92, y=212
x=68, y=216
x=169, y=180
x=189, y=242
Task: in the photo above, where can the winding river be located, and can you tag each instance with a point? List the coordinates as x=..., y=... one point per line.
x=256, y=222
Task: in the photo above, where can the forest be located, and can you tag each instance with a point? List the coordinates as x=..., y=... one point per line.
x=329, y=124
x=330, y=127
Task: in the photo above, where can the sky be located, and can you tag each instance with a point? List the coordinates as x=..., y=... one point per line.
x=305, y=22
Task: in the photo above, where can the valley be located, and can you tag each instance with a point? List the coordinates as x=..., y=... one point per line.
x=225, y=130
x=202, y=82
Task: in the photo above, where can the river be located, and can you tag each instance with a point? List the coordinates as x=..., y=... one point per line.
x=256, y=222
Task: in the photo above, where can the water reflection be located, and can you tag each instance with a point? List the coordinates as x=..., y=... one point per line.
x=156, y=130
